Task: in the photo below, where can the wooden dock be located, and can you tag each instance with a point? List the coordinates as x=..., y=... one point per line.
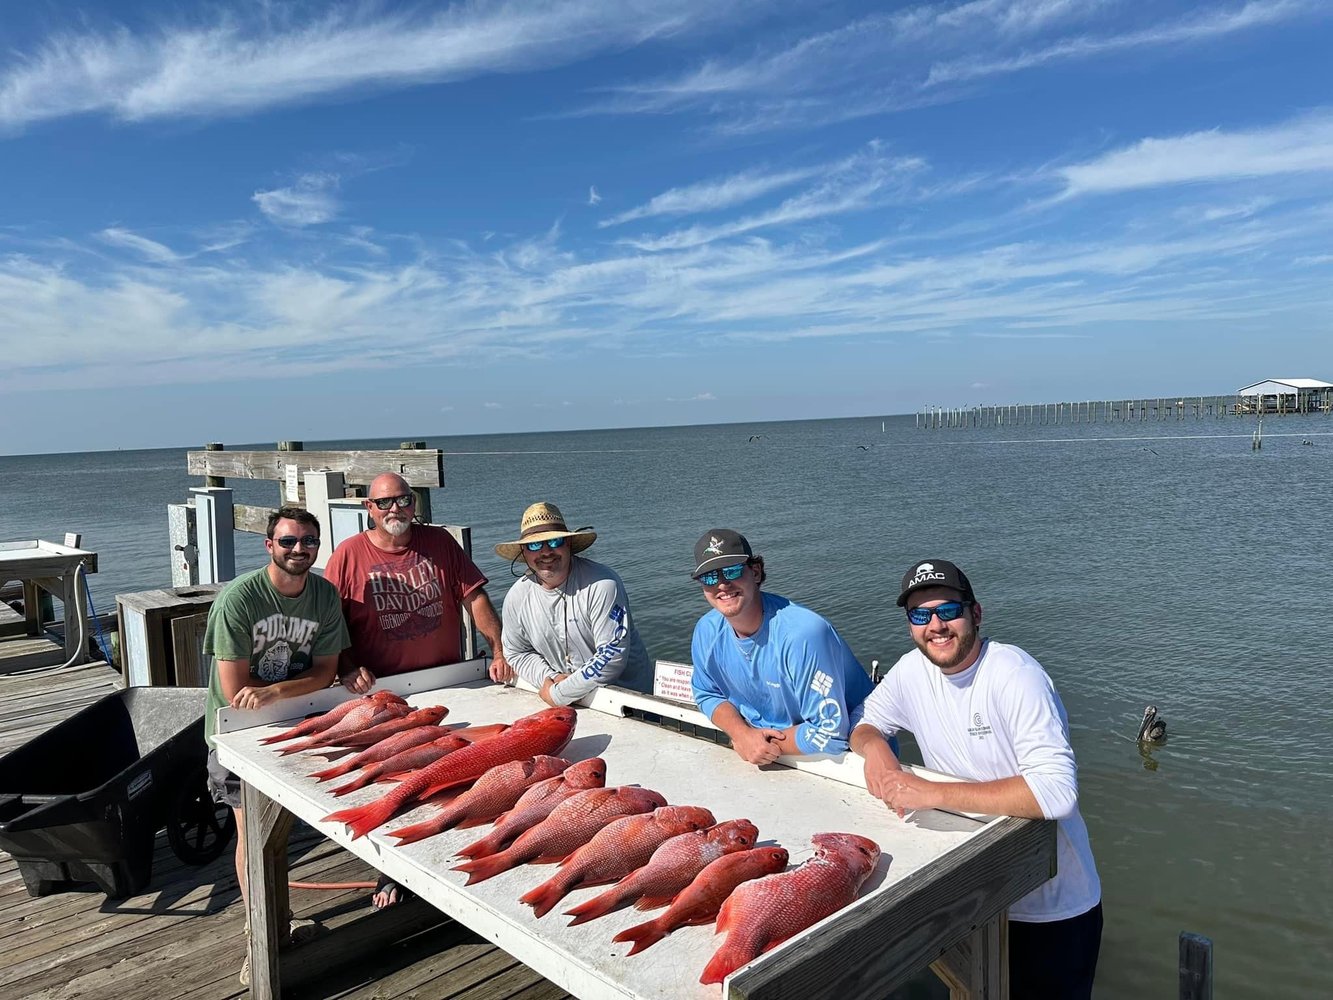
x=1108, y=411
x=182, y=939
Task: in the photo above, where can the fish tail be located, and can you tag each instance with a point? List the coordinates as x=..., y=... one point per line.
x=480, y=869
x=358, y=782
x=418, y=831
x=598, y=906
x=333, y=754
x=643, y=935
x=485, y=847
x=546, y=895
x=332, y=772
x=730, y=957
x=290, y=734
x=363, y=819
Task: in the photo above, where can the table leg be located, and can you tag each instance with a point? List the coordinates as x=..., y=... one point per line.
x=977, y=968
x=267, y=825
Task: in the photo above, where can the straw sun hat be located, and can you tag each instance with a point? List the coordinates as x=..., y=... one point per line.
x=540, y=522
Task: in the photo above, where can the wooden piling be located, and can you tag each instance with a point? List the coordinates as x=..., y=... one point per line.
x=214, y=480
x=422, y=495
x=1196, y=967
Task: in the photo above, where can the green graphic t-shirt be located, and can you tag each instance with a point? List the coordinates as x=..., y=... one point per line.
x=280, y=636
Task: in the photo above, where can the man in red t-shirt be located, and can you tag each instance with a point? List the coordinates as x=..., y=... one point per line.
x=402, y=586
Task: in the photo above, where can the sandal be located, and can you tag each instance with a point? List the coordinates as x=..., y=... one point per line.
x=388, y=885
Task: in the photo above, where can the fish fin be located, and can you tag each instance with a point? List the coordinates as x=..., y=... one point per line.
x=333, y=754
x=332, y=772
x=416, y=831
x=546, y=895
x=363, y=819
x=471, y=821
x=549, y=859
x=351, y=786
x=643, y=935
x=652, y=902
x=724, y=916
x=445, y=785
x=730, y=957
x=475, y=734
x=483, y=848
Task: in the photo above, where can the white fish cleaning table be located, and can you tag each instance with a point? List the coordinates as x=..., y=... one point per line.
x=941, y=887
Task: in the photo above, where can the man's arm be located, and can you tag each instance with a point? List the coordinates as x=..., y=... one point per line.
x=243, y=691
x=758, y=746
x=817, y=667
x=902, y=791
x=608, y=618
x=488, y=624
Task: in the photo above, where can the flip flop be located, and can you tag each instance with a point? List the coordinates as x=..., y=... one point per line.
x=386, y=884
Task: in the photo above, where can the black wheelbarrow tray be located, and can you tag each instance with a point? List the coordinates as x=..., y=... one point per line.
x=83, y=801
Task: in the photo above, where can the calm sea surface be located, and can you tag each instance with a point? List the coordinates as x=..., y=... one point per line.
x=1160, y=563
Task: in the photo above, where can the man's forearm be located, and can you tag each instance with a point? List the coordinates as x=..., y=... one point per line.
x=1001, y=797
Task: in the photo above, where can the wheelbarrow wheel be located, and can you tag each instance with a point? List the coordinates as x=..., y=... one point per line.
x=198, y=828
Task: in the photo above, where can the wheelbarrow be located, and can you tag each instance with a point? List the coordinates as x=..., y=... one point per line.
x=83, y=802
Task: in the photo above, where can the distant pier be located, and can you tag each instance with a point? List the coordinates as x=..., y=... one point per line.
x=1094, y=411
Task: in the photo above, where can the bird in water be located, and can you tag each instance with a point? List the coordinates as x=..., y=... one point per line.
x=1153, y=727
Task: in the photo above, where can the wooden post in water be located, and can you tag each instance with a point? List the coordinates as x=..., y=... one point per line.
x=422, y=495
x=1196, y=967
x=214, y=480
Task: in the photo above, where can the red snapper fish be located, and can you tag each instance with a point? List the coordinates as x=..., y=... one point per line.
x=570, y=825
x=760, y=915
x=544, y=732
x=536, y=804
x=429, y=717
x=699, y=902
x=495, y=791
x=671, y=868
x=616, y=850
x=319, y=723
x=359, y=718
x=381, y=751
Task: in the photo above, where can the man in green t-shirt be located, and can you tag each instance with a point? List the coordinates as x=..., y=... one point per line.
x=274, y=633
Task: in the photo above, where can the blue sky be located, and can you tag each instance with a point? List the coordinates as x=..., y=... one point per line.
x=259, y=221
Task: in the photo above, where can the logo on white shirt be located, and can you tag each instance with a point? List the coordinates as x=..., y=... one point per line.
x=979, y=729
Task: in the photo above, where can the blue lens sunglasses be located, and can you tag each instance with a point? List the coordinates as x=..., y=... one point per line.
x=947, y=612
x=729, y=573
x=549, y=543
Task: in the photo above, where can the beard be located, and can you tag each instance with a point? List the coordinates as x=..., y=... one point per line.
x=947, y=661
x=396, y=527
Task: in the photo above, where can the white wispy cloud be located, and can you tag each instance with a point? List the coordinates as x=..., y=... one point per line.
x=150, y=249
x=593, y=197
x=245, y=61
x=1304, y=145
x=714, y=195
x=699, y=397
x=311, y=200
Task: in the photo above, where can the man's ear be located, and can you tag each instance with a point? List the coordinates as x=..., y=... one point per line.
x=976, y=614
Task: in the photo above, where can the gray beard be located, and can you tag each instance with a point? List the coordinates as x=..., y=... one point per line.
x=396, y=528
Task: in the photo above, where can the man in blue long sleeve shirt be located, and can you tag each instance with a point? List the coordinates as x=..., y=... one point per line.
x=771, y=674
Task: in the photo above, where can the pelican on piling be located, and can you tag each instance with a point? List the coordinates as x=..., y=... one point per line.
x=1153, y=727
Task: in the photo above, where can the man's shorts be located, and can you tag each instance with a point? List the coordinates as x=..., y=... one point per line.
x=224, y=786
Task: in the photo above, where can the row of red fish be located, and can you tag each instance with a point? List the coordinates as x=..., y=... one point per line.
x=547, y=809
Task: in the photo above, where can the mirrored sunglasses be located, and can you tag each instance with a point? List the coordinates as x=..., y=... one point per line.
x=729, y=573
x=402, y=502
x=549, y=543
x=947, y=612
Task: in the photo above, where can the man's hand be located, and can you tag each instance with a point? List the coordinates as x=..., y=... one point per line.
x=501, y=671
x=903, y=791
x=545, y=692
x=757, y=746
x=359, y=681
x=251, y=698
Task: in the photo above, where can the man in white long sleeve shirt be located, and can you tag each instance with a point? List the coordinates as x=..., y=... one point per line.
x=567, y=626
x=988, y=712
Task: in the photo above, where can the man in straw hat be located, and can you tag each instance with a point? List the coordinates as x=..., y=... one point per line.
x=988, y=712
x=567, y=626
x=771, y=674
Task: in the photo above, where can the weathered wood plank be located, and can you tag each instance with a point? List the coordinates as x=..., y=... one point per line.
x=266, y=827
x=913, y=922
x=421, y=468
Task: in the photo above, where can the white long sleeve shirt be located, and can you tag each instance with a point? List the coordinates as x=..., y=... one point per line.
x=999, y=718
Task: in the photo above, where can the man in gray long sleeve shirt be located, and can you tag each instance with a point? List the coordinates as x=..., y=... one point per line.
x=567, y=625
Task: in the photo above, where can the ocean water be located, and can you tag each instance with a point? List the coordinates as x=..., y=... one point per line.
x=1147, y=562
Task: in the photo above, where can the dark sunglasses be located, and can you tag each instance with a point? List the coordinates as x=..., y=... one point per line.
x=947, y=612
x=729, y=573
x=289, y=541
x=549, y=543
x=384, y=503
